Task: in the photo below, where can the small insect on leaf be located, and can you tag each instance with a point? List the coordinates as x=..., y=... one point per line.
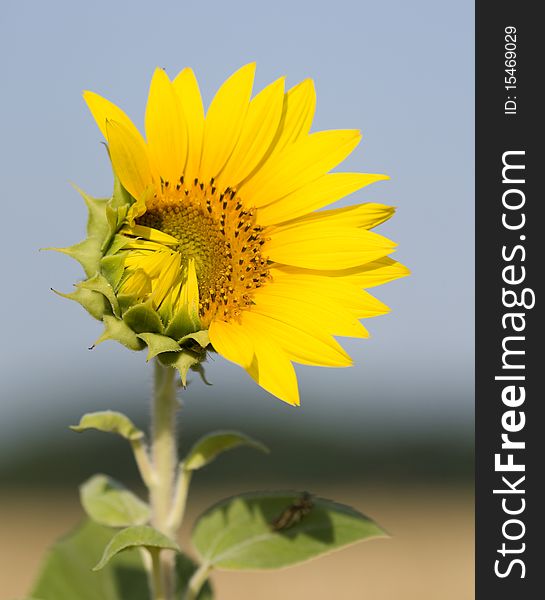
x=294, y=513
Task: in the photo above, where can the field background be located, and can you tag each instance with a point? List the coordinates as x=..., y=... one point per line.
x=419, y=488
x=429, y=556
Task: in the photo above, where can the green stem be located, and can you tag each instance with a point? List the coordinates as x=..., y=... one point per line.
x=164, y=457
x=143, y=462
x=157, y=575
x=180, y=498
x=197, y=581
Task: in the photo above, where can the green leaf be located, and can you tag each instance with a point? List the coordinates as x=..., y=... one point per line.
x=109, y=503
x=66, y=572
x=141, y=536
x=111, y=422
x=142, y=318
x=116, y=329
x=159, y=344
x=213, y=444
x=238, y=532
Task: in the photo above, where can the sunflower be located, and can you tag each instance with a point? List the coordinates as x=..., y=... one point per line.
x=215, y=233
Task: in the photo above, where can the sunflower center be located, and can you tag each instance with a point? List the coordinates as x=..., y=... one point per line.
x=223, y=238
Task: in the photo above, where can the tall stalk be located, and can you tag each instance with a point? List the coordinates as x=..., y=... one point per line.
x=164, y=454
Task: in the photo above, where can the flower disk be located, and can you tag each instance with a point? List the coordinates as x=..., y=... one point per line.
x=214, y=230
x=215, y=235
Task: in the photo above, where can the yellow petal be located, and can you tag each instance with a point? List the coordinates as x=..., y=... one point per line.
x=378, y=272
x=103, y=110
x=165, y=130
x=318, y=246
x=137, y=284
x=299, y=165
x=138, y=208
x=270, y=368
x=171, y=303
x=152, y=263
x=298, y=344
x=149, y=233
x=140, y=244
x=129, y=158
x=189, y=296
x=296, y=306
x=187, y=89
x=224, y=121
x=298, y=112
x=258, y=131
x=368, y=275
x=170, y=273
x=232, y=342
x=366, y=216
x=342, y=292
x=317, y=194
x=316, y=321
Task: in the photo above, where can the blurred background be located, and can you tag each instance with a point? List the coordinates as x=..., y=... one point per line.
x=393, y=435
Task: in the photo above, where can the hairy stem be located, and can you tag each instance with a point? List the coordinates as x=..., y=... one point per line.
x=157, y=576
x=180, y=498
x=143, y=462
x=164, y=458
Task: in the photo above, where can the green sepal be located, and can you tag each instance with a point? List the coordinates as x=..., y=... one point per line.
x=97, y=223
x=182, y=361
x=116, y=329
x=120, y=196
x=117, y=208
x=86, y=252
x=119, y=241
x=183, y=323
x=242, y=533
x=113, y=267
x=142, y=318
x=127, y=301
x=136, y=537
x=159, y=344
x=202, y=338
x=99, y=283
x=109, y=503
x=200, y=370
x=115, y=217
x=210, y=446
x=109, y=421
x=93, y=302
x=89, y=252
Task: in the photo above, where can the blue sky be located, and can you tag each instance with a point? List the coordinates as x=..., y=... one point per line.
x=400, y=71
